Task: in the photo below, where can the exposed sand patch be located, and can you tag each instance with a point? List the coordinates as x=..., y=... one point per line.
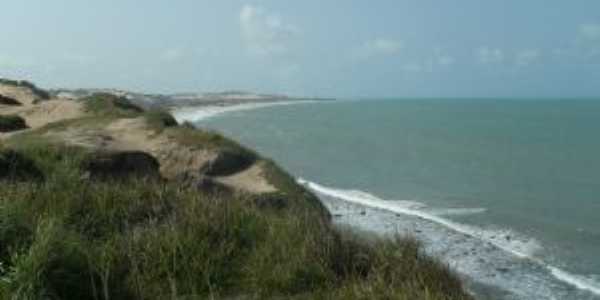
x=250, y=180
x=40, y=114
x=175, y=159
x=21, y=94
x=126, y=134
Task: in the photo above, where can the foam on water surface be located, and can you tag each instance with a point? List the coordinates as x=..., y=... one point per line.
x=196, y=114
x=518, y=270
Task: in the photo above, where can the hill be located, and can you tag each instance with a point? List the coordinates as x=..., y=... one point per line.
x=103, y=199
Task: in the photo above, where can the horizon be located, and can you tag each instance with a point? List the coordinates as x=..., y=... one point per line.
x=427, y=49
x=301, y=96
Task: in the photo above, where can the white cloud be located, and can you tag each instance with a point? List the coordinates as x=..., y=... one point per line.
x=588, y=40
x=173, y=54
x=443, y=59
x=486, y=55
x=590, y=32
x=413, y=68
x=263, y=32
x=384, y=46
x=379, y=46
x=527, y=57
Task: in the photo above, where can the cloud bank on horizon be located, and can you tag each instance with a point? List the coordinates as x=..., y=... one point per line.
x=327, y=48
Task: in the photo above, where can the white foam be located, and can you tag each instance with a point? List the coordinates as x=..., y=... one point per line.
x=503, y=239
x=578, y=281
x=199, y=113
x=521, y=247
x=457, y=211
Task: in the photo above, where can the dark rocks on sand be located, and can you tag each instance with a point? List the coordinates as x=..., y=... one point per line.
x=9, y=101
x=212, y=187
x=12, y=123
x=229, y=162
x=106, y=165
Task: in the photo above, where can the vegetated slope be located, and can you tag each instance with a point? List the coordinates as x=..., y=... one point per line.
x=79, y=221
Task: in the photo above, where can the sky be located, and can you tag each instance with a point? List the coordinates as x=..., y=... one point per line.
x=329, y=48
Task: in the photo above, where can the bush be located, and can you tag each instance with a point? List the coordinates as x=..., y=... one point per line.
x=160, y=119
x=12, y=123
x=119, y=165
x=109, y=104
x=9, y=101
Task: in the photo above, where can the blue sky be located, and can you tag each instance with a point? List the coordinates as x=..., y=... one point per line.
x=350, y=48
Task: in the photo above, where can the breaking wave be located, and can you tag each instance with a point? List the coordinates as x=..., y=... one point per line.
x=506, y=240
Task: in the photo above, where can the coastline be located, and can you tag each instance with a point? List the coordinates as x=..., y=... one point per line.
x=187, y=188
x=491, y=271
x=497, y=265
x=202, y=112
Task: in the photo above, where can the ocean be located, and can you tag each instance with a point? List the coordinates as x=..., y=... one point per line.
x=507, y=192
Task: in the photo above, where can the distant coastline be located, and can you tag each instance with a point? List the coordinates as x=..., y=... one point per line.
x=187, y=100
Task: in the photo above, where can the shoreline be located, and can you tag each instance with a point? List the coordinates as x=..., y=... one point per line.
x=492, y=271
x=202, y=112
x=492, y=266
x=188, y=189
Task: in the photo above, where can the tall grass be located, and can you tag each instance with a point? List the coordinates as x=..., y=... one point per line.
x=71, y=238
x=65, y=236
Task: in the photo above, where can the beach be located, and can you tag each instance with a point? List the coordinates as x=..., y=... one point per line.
x=500, y=262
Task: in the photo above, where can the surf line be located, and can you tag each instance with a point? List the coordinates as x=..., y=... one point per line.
x=372, y=201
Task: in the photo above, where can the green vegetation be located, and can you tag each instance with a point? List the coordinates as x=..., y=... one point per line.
x=110, y=105
x=160, y=119
x=69, y=233
x=16, y=166
x=11, y=123
x=68, y=237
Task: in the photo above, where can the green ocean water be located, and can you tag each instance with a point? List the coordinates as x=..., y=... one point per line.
x=531, y=167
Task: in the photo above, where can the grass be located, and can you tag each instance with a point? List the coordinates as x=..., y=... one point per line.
x=10, y=123
x=66, y=237
x=110, y=105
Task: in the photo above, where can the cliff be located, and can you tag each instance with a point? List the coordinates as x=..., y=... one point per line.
x=103, y=199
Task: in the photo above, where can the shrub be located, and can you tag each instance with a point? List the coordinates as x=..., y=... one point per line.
x=119, y=165
x=9, y=101
x=12, y=123
x=160, y=119
x=109, y=104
